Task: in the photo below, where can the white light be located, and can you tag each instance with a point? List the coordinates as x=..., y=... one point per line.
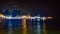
x=43, y=18
x=37, y=17
x=9, y=17
x=32, y=18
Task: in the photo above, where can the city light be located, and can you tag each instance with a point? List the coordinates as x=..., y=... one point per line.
x=24, y=17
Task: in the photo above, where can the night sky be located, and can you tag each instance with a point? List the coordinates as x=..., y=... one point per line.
x=34, y=7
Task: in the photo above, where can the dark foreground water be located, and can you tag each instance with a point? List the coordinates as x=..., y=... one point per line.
x=15, y=27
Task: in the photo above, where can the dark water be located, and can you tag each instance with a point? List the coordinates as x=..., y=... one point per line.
x=15, y=27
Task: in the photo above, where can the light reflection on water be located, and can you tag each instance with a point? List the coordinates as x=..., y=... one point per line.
x=15, y=27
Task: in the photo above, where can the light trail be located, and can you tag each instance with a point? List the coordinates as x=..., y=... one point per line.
x=24, y=27
x=38, y=25
x=10, y=28
x=44, y=25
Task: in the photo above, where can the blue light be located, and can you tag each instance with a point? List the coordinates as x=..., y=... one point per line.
x=38, y=17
